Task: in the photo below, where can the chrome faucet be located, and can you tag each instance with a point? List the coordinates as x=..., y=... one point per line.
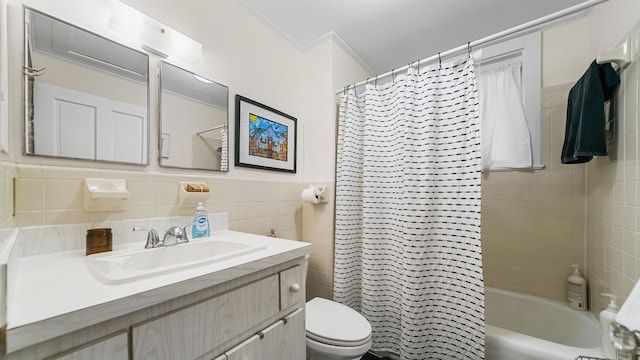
x=173, y=236
x=153, y=240
x=625, y=340
x=176, y=235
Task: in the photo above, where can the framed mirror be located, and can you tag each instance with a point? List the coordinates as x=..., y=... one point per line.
x=194, y=120
x=86, y=97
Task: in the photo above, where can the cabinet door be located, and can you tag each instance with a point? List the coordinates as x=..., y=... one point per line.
x=292, y=291
x=191, y=332
x=280, y=341
x=113, y=348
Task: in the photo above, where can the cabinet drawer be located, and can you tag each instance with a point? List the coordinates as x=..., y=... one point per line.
x=284, y=340
x=198, y=329
x=112, y=348
x=292, y=291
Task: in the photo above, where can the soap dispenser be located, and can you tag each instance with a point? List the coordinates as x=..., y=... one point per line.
x=577, y=289
x=200, y=227
x=607, y=316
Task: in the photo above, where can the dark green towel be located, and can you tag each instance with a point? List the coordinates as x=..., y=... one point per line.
x=584, y=135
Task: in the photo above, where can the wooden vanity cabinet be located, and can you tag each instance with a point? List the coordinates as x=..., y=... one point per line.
x=268, y=313
x=194, y=331
x=257, y=316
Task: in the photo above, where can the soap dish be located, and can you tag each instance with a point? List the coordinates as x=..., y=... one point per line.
x=199, y=193
x=105, y=195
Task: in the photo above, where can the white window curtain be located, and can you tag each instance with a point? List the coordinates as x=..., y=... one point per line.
x=407, y=247
x=506, y=139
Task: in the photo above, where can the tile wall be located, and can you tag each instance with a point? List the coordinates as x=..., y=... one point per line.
x=53, y=195
x=7, y=173
x=536, y=224
x=533, y=222
x=318, y=229
x=613, y=199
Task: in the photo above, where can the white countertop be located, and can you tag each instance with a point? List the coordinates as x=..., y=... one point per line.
x=57, y=293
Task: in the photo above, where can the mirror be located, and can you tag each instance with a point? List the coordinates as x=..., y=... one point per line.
x=86, y=97
x=193, y=120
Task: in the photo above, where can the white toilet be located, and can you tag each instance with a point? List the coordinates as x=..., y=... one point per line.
x=335, y=331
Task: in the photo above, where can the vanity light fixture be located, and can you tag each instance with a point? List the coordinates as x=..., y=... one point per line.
x=154, y=36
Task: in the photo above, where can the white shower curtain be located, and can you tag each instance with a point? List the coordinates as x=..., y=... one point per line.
x=407, y=247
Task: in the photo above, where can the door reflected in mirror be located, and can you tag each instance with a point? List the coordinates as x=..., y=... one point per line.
x=86, y=97
x=193, y=120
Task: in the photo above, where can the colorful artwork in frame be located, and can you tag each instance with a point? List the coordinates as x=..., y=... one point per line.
x=265, y=137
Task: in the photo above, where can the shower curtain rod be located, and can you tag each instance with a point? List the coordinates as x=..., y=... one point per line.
x=211, y=129
x=502, y=35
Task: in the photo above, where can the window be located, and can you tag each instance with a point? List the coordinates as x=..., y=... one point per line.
x=527, y=50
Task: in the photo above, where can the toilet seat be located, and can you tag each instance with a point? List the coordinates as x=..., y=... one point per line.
x=343, y=352
x=332, y=323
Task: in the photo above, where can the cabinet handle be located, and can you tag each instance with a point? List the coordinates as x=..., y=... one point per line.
x=294, y=288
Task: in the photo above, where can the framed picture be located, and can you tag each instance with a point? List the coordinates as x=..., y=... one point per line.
x=265, y=137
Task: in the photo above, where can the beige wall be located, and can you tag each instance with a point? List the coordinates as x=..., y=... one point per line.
x=53, y=195
x=613, y=200
x=250, y=58
x=533, y=221
x=7, y=173
x=564, y=214
x=329, y=66
x=239, y=51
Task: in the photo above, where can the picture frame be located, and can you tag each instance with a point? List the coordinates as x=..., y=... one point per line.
x=266, y=138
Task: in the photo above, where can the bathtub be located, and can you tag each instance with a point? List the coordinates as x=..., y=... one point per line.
x=523, y=327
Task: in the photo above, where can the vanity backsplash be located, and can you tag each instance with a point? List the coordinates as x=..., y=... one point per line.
x=53, y=195
x=40, y=240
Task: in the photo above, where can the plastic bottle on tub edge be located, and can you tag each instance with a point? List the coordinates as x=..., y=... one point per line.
x=577, y=289
x=607, y=316
x=200, y=227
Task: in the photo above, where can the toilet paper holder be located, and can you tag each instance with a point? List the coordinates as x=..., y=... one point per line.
x=318, y=194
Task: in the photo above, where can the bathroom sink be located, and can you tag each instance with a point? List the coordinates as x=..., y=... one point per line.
x=127, y=265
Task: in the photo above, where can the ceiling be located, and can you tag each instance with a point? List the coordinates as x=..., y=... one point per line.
x=388, y=34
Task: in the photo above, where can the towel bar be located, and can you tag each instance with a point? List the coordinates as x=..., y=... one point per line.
x=620, y=56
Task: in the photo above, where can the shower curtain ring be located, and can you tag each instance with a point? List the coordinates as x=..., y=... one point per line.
x=469, y=49
x=440, y=61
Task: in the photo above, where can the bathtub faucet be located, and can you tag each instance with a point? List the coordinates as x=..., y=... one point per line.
x=624, y=339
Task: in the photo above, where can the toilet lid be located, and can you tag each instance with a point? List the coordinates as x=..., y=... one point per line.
x=332, y=323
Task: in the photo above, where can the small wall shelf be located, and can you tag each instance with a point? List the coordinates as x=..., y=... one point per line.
x=105, y=195
x=192, y=198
